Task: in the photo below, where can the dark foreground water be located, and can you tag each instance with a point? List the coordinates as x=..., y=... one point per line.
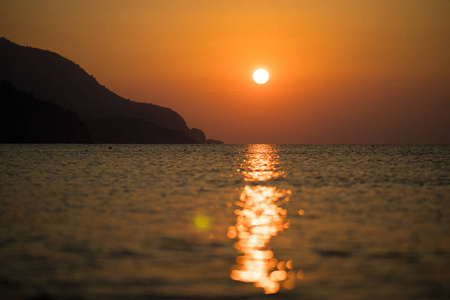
x=224, y=221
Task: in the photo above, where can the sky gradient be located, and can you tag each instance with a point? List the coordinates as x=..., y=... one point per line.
x=343, y=71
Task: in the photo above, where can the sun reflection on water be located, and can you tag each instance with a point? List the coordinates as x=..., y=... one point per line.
x=260, y=216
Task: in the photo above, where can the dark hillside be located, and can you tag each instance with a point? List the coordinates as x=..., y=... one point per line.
x=117, y=130
x=25, y=119
x=52, y=77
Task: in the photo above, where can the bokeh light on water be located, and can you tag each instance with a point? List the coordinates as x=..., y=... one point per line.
x=260, y=216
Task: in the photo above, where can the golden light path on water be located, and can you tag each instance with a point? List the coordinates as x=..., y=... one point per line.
x=260, y=216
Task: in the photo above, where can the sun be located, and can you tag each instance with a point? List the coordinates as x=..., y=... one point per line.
x=260, y=76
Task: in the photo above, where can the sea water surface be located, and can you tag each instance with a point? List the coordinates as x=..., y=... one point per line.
x=224, y=221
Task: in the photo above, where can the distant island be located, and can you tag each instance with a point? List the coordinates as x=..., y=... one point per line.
x=47, y=98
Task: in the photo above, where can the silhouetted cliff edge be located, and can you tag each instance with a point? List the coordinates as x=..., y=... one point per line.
x=51, y=77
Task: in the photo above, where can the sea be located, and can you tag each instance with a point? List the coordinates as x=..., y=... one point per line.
x=224, y=221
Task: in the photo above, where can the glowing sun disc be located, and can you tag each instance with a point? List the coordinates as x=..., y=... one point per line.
x=260, y=76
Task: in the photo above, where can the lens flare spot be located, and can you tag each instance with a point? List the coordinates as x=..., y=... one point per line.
x=202, y=221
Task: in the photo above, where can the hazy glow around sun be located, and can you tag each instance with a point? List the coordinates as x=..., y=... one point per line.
x=260, y=76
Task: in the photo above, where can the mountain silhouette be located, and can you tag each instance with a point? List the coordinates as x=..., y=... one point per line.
x=124, y=130
x=25, y=119
x=49, y=76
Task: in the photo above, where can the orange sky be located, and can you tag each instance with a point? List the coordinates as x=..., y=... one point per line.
x=344, y=71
